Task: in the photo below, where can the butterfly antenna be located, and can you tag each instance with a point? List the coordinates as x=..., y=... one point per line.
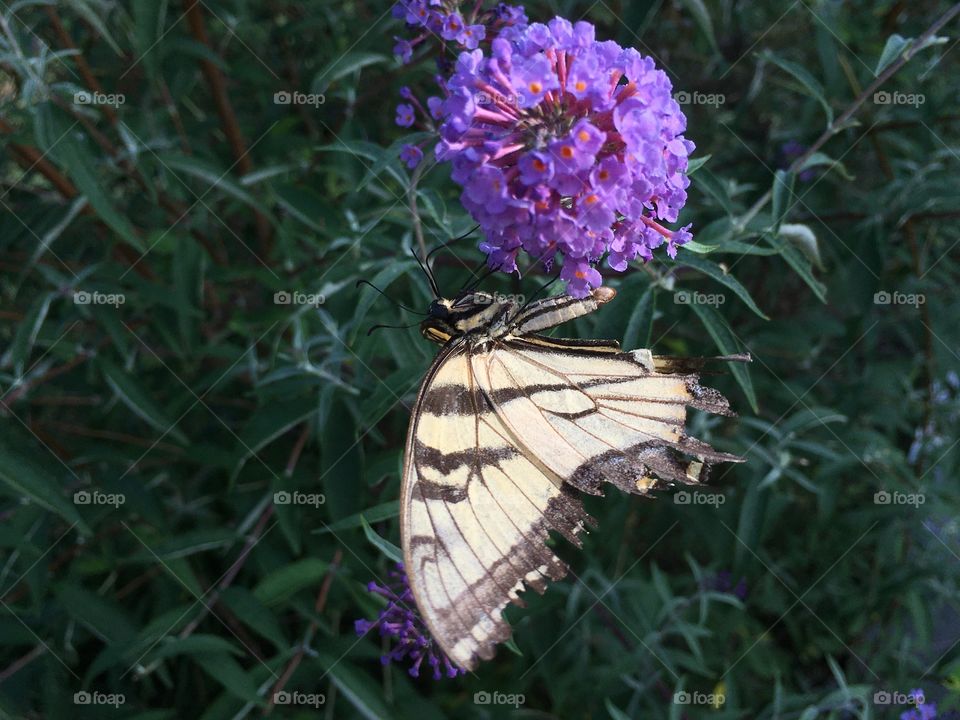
x=392, y=327
x=398, y=304
x=542, y=289
x=448, y=243
x=426, y=271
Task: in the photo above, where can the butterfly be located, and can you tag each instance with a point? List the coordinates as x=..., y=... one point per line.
x=509, y=427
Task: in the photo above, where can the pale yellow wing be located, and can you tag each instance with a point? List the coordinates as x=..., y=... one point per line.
x=475, y=513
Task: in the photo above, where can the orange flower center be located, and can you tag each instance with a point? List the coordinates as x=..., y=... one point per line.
x=567, y=152
x=535, y=87
x=580, y=85
x=539, y=165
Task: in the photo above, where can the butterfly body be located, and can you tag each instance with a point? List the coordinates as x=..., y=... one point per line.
x=508, y=426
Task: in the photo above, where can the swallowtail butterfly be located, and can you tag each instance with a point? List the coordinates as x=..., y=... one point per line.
x=508, y=428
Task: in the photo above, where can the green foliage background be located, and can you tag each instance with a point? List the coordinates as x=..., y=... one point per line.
x=199, y=397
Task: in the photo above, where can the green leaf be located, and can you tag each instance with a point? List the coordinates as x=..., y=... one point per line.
x=27, y=477
x=700, y=13
x=712, y=270
x=253, y=613
x=219, y=179
x=18, y=354
x=801, y=74
x=697, y=163
x=897, y=46
x=804, y=238
x=368, y=296
x=128, y=389
x=782, y=194
x=384, y=546
x=193, y=645
x=283, y=582
x=893, y=48
x=726, y=342
x=227, y=671
x=269, y=422
x=359, y=690
x=80, y=165
x=799, y=262
x=377, y=513
x=102, y=616
x=709, y=184
x=343, y=66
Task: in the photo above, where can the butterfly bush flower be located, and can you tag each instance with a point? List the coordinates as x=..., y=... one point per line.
x=565, y=147
x=461, y=24
x=400, y=621
x=923, y=709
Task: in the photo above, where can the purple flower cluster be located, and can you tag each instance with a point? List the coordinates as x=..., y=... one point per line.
x=923, y=709
x=446, y=22
x=723, y=582
x=565, y=145
x=400, y=620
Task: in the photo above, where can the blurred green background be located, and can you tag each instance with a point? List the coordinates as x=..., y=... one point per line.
x=157, y=392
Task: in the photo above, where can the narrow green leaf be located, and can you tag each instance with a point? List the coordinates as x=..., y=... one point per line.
x=696, y=164
x=895, y=45
x=384, y=546
x=799, y=262
x=359, y=690
x=283, y=582
x=18, y=354
x=218, y=179
x=782, y=193
x=27, y=477
x=713, y=270
x=128, y=389
x=727, y=343
x=269, y=422
x=81, y=167
x=800, y=73
x=343, y=66
x=193, y=645
x=227, y=671
x=377, y=513
x=700, y=13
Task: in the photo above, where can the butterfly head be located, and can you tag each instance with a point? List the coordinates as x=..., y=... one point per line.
x=466, y=313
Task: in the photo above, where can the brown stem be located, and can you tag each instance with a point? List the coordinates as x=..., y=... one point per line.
x=311, y=629
x=231, y=127
x=88, y=77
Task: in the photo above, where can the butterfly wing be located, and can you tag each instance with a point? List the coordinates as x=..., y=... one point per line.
x=591, y=414
x=475, y=512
